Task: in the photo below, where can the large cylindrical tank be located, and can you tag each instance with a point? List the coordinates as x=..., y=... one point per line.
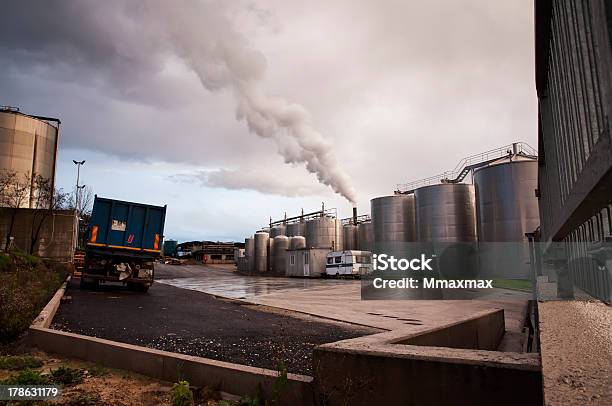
x=262, y=241
x=365, y=233
x=249, y=252
x=393, y=220
x=350, y=238
x=507, y=208
x=297, y=242
x=506, y=202
x=270, y=253
x=28, y=145
x=277, y=230
x=324, y=232
x=446, y=213
x=296, y=229
x=281, y=244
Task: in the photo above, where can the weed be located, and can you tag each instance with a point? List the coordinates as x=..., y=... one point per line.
x=280, y=383
x=98, y=370
x=67, y=375
x=249, y=401
x=17, y=363
x=181, y=394
x=5, y=263
x=27, y=377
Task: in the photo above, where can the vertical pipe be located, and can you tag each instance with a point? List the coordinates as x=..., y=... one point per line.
x=355, y=215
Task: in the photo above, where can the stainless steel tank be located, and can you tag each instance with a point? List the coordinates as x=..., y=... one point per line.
x=324, y=232
x=270, y=253
x=446, y=213
x=350, y=238
x=28, y=145
x=506, y=202
x=507, y=208
x=297, y=242
x=278, y=230
x=365, y=233
x=393, y=218
x=295, y=229
x=262, y=241
x=249, y=252
x=281, y=244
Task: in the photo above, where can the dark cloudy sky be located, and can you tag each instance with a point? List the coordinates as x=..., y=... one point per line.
x=218, y=108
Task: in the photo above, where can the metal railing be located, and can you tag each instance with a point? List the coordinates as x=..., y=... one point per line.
x=467, y=164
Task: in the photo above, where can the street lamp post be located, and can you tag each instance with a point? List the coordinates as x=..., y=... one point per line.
x=76, y=197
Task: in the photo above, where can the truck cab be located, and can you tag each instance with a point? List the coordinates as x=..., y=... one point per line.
x=123, y=241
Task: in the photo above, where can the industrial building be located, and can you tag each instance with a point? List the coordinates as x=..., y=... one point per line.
x=209, y=252
x=28, y=146
x=574, y=87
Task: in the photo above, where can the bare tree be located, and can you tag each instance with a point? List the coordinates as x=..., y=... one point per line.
x=84, y=195
x=15, y=191
x=45, y=199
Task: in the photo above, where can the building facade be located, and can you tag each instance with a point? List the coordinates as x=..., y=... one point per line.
x=574, y=88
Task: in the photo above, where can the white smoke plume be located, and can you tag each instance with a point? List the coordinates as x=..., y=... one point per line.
x=122, y=41
x=222, y=58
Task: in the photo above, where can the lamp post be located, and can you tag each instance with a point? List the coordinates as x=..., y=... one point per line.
x=76, y=198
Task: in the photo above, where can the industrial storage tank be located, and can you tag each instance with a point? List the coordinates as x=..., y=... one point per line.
x=365, y=232
x=446, y=225
x=324, y=232
x=393, y=224
x=506, y=202
x=262, y=241
x=507, y=208
x=278, y=230
x=297, y=242
x=28, y=145
x=270, y=253
x=281, y=245
x=296, y=229
x=249, y=252
x=350, y=238
x=446, y=213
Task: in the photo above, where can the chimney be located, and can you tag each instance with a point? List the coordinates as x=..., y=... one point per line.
x=355, y=215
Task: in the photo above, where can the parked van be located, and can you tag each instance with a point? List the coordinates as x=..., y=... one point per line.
x=348, y=263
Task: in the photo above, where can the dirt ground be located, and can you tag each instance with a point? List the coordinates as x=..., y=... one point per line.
x=184, y=321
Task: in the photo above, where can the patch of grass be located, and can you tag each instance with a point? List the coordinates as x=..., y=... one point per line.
x=181, y=394
x=24, y=291
x=98, y=370
x=18, y=363
x=67, y=375
x=5, y=263
x=518, y=284
x=27, y=377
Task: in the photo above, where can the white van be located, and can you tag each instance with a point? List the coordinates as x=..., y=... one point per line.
x=348, y=263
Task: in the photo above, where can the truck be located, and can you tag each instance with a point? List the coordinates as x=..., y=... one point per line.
x=123, y=241
x=349, y=263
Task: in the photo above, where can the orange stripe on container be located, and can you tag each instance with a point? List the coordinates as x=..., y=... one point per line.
x=94, y=233
x=156, y=244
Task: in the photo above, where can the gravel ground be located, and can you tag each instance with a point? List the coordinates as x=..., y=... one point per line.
x=194, y=323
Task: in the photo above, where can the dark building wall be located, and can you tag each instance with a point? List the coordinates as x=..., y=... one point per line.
x=574, y=86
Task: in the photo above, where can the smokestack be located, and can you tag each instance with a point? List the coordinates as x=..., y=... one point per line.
x=355, y=215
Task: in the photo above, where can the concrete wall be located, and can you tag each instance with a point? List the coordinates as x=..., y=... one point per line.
x=399, y=368
x=57, y=238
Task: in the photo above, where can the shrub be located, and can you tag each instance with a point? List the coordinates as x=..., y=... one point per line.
x=181, y=394
x=67, y=375
x=18, y=363
x=27, y=377
x=5, y=263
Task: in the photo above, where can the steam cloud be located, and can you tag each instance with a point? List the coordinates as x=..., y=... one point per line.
x=124, y=37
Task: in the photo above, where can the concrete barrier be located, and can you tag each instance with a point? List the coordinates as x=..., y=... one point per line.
x=421, y=368
x=171, y=367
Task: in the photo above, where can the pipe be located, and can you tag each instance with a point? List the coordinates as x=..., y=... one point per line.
x=355, y=215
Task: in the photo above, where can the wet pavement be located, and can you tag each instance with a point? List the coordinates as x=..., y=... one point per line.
x=341, y=300
x=189, y=322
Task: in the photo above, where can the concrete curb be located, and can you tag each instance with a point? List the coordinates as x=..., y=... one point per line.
x=45, y=317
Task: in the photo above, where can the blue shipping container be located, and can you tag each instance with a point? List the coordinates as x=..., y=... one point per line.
x=126, y=226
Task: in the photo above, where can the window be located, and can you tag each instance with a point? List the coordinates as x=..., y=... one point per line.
x=330, y=260
x=338, y=260
x=292, y=259
x=306, y=257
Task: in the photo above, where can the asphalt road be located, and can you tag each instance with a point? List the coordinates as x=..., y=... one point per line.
x=195, y=323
